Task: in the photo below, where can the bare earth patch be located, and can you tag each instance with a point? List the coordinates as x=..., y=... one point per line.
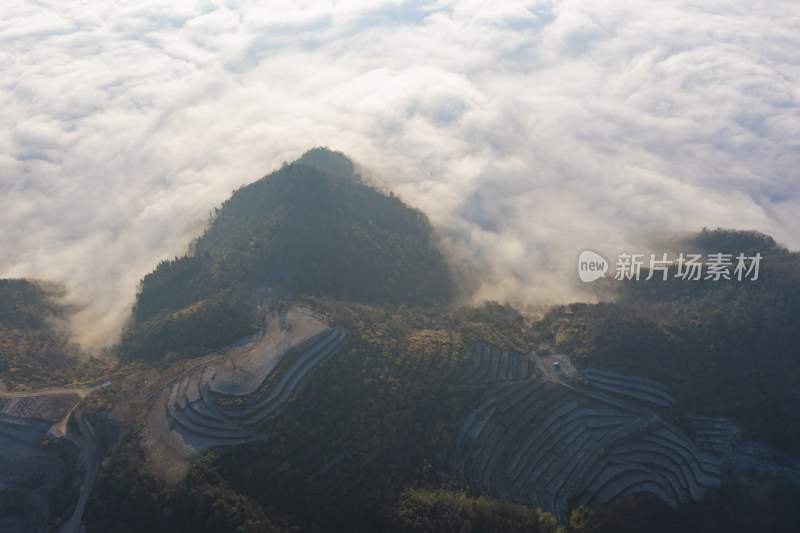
x=203, y=406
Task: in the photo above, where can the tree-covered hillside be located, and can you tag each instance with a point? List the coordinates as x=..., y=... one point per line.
x=29, y=346
x=34, y=352
x=312, y=227
x=724, y=347
x=363, y=445
x=366, y=443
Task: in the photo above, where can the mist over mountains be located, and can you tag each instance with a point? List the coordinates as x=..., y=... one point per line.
x=208, y=324
x=525, y=131
x=313, y=336
x=311, y=228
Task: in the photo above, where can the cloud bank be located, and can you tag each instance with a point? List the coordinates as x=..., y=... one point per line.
x=527, y=130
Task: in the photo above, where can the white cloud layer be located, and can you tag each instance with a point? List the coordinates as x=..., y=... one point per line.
x=527, y=130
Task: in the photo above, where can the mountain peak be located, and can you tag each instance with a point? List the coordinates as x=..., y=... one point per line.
x=302, y=230
x=323, y=158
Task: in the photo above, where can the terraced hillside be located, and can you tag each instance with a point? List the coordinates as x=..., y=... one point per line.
x=632, y=387
x=38, y=470
x=53, y=407
x=29, y=475
x=556, y=445
x=228, y=401
x=489, y=364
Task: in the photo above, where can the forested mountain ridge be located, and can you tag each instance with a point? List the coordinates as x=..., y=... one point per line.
x=29, y=346
x=35, y=348
x=301, y=230
x=724, y=347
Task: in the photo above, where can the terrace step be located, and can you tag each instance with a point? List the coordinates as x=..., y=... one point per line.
x=206, y=431
x=489, y=364
x=632, y=386
x=552, y=445
x=290, y=377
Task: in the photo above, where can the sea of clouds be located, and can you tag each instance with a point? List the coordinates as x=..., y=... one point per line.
x=527, y=130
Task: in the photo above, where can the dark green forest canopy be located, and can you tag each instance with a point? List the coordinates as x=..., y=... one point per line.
x=312, y=227
x=31, y=350
x=27, y=304
x=35, y=348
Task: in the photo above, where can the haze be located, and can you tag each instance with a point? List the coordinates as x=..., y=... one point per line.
x=527, y=131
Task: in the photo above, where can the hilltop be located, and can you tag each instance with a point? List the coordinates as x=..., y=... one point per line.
x=310, y=228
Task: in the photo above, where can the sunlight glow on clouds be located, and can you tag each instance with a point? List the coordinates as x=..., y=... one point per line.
x=526, y=130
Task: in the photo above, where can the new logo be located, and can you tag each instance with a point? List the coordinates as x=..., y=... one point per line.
x=591, y=266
